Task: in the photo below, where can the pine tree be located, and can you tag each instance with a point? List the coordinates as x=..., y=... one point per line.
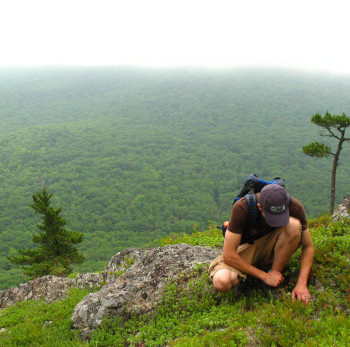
x=335, y=127
x=56, y=251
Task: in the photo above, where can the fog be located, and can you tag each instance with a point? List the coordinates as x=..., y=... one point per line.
x=306, y=35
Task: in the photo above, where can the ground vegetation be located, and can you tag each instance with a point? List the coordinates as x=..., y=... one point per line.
x=197, y=315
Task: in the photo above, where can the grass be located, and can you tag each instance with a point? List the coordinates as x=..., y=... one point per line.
x=36, y=323
x=211, y=237
x=193, y=313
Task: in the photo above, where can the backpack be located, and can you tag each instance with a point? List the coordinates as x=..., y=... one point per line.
x=252, y=185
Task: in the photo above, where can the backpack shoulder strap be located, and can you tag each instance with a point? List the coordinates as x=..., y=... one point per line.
x=253, y=212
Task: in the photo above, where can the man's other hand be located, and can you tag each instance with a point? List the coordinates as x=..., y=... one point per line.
x=301, y=293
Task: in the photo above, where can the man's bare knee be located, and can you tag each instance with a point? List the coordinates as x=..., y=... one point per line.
x=224, y=280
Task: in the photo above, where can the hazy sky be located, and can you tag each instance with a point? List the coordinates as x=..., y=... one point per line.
x=308, y=34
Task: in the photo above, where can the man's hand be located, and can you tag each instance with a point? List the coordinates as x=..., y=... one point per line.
x=273, y=278
x=301, y=293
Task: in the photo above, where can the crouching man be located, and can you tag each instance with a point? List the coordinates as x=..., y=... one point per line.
x=263, y=250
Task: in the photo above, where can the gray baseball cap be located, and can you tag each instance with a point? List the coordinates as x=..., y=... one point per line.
x=274, y=201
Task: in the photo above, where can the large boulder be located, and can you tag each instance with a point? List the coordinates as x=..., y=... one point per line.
x=343, y=209
x=135, y=279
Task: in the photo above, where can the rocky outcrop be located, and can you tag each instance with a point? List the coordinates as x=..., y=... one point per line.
x=50, y=288
x=133, y=282
x=135, y=279
x=343, y=209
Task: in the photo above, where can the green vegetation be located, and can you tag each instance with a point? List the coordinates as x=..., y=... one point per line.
x=335, y=127
x=198, y=315
x=56, y=252
x=36, y=323
x=136, y=155
x=212, y=237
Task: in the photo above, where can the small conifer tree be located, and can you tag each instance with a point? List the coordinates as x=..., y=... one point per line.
x=335, y=127
x=56, y=251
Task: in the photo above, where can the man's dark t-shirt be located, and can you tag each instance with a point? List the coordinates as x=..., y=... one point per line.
x=239, y=221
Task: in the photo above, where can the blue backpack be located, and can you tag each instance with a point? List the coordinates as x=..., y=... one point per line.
x=252, y=185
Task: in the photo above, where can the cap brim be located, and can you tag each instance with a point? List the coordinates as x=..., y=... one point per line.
x=277, y=220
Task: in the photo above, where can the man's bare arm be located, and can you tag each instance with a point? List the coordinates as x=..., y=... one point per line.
x=232, y=258
x=307, y=256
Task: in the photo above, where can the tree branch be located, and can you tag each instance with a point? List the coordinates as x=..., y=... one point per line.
x=332, y=133
x=325, y=135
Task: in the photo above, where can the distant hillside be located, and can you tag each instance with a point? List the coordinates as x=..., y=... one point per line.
x=132, y=155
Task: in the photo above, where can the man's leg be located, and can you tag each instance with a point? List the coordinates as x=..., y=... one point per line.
x=287, y=243
x=226, y=277
x=224, y=280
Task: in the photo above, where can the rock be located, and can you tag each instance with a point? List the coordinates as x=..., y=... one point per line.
x=50, y=288
x=135, y=279
x=121, y=262
x=343, y=210
x=46, y=323
x=88, y=280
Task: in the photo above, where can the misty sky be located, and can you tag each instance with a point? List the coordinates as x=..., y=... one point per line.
x=308, y=34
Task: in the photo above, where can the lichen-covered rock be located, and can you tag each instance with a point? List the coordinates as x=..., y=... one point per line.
x=88, y=280
x=50, y=288
x=120, y=262
x=135, y=279
x=343, y=209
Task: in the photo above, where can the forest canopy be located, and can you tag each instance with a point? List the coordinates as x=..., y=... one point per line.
x=133, y=155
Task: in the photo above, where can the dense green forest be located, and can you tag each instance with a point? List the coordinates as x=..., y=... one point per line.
x=133, y=155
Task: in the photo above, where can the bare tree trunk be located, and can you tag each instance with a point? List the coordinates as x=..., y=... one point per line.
x=334, y=171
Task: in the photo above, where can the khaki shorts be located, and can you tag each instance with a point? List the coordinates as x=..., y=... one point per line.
x=259, y=254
